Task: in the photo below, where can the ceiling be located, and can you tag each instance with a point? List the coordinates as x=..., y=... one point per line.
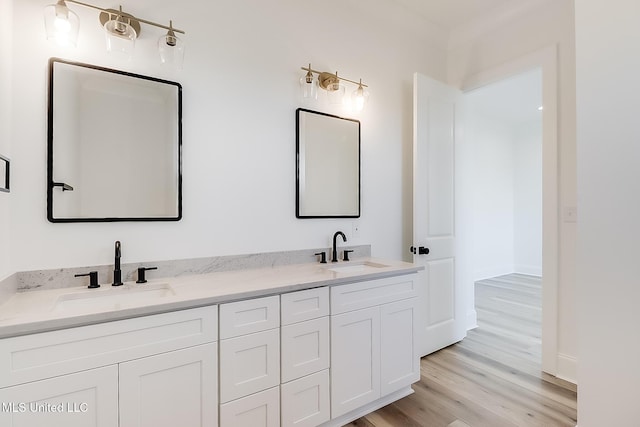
x=449, y=14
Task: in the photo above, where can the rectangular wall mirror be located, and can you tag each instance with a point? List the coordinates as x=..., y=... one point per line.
x=4, y=174
x=114, y=145
x=328, y=166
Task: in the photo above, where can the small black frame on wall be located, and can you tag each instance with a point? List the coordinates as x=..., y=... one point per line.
x=4, y=174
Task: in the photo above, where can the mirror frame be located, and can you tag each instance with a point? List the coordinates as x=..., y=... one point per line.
x=50, y=183
x=298, y=168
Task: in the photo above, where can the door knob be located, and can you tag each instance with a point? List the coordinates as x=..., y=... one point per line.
x=421, y=250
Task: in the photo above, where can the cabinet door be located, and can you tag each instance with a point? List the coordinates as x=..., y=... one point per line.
x=178, y=388
x=305, y=348
x=305, y=401
x=400, y=364
x=249, y=364
x=83, y=399
x=257, y=410
x=355, y=359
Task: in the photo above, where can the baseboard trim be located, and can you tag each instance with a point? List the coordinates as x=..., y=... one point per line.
x=472, y=319
x=490, y=273
x=367, y=409
x=567, y=368
x=529, y=270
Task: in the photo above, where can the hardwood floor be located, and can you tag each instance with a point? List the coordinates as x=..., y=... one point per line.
x=492, y=378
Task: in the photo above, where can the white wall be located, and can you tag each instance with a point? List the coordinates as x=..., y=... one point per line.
x=6, y=25
x=493, y=195
x=477, y=48
x=608, y=105
x=506, y=176
x=240, y=83
x=527, y=209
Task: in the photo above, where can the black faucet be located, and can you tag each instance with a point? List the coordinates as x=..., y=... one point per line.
x=117, y=274
x=334, y=254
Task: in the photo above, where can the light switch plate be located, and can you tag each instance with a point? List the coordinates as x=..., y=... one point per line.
x=570, y=214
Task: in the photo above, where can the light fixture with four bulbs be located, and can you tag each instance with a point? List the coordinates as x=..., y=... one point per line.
x=121, y=30
x=309, y=84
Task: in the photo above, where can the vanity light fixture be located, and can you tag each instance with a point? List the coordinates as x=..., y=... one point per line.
x=121, y=30
x=334, y=87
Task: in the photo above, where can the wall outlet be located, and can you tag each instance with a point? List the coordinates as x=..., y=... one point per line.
x=355, y=230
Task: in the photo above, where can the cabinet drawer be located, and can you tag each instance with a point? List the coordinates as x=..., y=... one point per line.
x=249, y=364
x=249, y=316
x=48, y=354
x=305, y=401
x=305, y=348
x=304, y=305
x=258, y=410
x=356, y=296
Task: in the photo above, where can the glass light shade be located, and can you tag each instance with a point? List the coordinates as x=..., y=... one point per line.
x=120, y=36
x=335, y=93
x=309, y=87
x=171, y=50
x=359, y=98
x=61, y=24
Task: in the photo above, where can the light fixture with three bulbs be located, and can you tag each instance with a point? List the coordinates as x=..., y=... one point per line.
x=309, y=84
x=121, y=30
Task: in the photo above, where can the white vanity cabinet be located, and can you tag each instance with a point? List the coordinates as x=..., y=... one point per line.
x=133, y=372
x=250, y=363
x=305, y=358
x=372, y=341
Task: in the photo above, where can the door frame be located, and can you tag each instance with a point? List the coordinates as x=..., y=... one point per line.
x=547, y=60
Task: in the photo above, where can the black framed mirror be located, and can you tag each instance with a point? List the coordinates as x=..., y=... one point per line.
x=4, y=174
x=114, y=145
x=327, y=165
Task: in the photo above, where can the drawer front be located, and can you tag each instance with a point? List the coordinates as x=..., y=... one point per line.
x=249, y=316
x=258, y=410
x=305, y=402
x=356, y=296
x=305, y=348
x=304, y=305
x=249, y=364
x=48, y=354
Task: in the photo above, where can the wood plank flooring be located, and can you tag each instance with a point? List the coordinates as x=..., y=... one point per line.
x=491, y=378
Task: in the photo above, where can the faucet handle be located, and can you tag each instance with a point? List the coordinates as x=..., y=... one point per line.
x=93, y=279
x=345, y=254
x=141, y=274
x=323, y=257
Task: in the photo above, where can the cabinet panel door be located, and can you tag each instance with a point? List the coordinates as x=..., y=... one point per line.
x=249, y=364
x=83, y=399
x=305, y=401
x=355, y=359
x=172, y=389
x=257, y=410
x=305, y=348
x=399, y=359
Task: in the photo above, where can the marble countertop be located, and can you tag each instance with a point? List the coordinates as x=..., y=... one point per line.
x=45, y=310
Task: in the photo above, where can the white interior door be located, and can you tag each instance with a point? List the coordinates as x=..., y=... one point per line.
x=436, y=108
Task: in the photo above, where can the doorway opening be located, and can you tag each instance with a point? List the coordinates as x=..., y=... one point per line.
x=504, y=139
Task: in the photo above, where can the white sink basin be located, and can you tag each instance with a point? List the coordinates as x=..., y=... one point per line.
x=114, y=298
x=356, y=267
